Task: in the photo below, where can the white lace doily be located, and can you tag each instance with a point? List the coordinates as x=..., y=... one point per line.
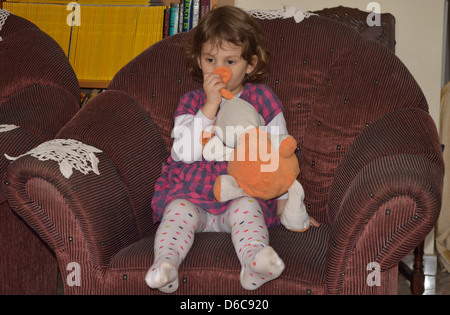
x=3, y=16
x=6, y=128
x=284, y=13
x=70, y=154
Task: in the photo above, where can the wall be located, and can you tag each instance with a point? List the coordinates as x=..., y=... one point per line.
x=419, y=37
x=446, y=57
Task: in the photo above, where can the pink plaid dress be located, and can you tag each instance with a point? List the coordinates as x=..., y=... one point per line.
x=195, y=182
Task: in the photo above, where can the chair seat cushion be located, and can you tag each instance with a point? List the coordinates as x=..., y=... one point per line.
x=212, y=267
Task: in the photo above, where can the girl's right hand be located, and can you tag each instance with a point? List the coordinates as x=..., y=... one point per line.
x=212, y=85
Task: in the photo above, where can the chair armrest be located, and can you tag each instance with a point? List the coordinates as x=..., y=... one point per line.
x=32, y=116
x=92, y=215
x=386, y=195
x=119, y=126
x=13, y=141
x=86, y=216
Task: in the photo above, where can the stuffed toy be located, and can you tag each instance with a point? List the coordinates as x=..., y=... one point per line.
x=260, y=165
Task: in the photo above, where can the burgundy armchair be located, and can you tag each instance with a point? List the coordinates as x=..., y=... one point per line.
x=39, y=93
x=371, y=166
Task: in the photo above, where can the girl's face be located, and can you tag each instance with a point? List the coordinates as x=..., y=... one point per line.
x=226, y=55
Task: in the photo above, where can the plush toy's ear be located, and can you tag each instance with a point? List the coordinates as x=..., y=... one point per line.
x=225, y=73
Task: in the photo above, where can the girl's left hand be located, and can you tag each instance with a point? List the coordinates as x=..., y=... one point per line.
x=313, y=222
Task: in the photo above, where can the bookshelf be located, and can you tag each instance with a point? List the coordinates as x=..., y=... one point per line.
x=213, y=3
x=108, y=37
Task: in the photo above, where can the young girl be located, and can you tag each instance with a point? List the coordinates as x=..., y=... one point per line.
x=184, y=201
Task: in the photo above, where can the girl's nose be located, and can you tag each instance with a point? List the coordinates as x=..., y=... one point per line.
x=220, y=64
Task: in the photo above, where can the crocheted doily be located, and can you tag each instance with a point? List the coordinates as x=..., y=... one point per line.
x=69, y=154
x=6, y=128
x=285, y=13
x=3, y=16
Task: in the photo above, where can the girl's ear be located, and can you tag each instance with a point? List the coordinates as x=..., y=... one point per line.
x=251, y=66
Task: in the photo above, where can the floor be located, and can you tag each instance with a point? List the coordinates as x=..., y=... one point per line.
x=437, y=282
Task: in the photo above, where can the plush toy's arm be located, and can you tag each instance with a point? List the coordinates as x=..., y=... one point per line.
x=284, y=144
x=215, y=150
x=294, y=216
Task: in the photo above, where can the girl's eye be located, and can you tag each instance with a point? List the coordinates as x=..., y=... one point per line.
x=231, y=62
x=211, y=60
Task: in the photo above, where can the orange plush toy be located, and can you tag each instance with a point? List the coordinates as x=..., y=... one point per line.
x=259, y=164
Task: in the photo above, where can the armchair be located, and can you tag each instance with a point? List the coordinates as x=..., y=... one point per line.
x=39, y=93
x=371, y=166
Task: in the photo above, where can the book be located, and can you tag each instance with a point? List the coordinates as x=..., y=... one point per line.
x=88, y=94
x=205, y=7
x=174, y=16
x=181, y=16
x=195, y=13
x=187, y=15
x=190, y=14
x=166, y=22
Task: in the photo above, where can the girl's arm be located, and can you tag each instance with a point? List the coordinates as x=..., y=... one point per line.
x=281, y=203
x=277, y=126
x=187, y=134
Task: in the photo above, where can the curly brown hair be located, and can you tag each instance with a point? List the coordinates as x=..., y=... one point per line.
x=232, y=25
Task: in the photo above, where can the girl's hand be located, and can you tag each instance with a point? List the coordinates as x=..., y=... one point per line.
x=212, y=85
x=313, y=222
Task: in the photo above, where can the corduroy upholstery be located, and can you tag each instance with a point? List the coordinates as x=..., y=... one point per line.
x=39, y=93
x=371, y=167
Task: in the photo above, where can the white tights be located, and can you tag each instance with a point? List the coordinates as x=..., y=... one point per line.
x=249, y=234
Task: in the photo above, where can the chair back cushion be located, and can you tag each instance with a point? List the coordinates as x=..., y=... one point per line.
x=332, y=81
x=29, y=57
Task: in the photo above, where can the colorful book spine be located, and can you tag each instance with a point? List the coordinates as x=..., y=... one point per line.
x=205, y=6
x=166, y=22
x=187, y=15
x=174, y=16
x=195, y=13
x=181, y=17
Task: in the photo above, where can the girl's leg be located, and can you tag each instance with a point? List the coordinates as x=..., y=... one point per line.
x=174, y=238
x=260, y=263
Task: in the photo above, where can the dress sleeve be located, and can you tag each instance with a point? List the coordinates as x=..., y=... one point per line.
x=277, y=126
x=269, y=104
x=190, y=103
